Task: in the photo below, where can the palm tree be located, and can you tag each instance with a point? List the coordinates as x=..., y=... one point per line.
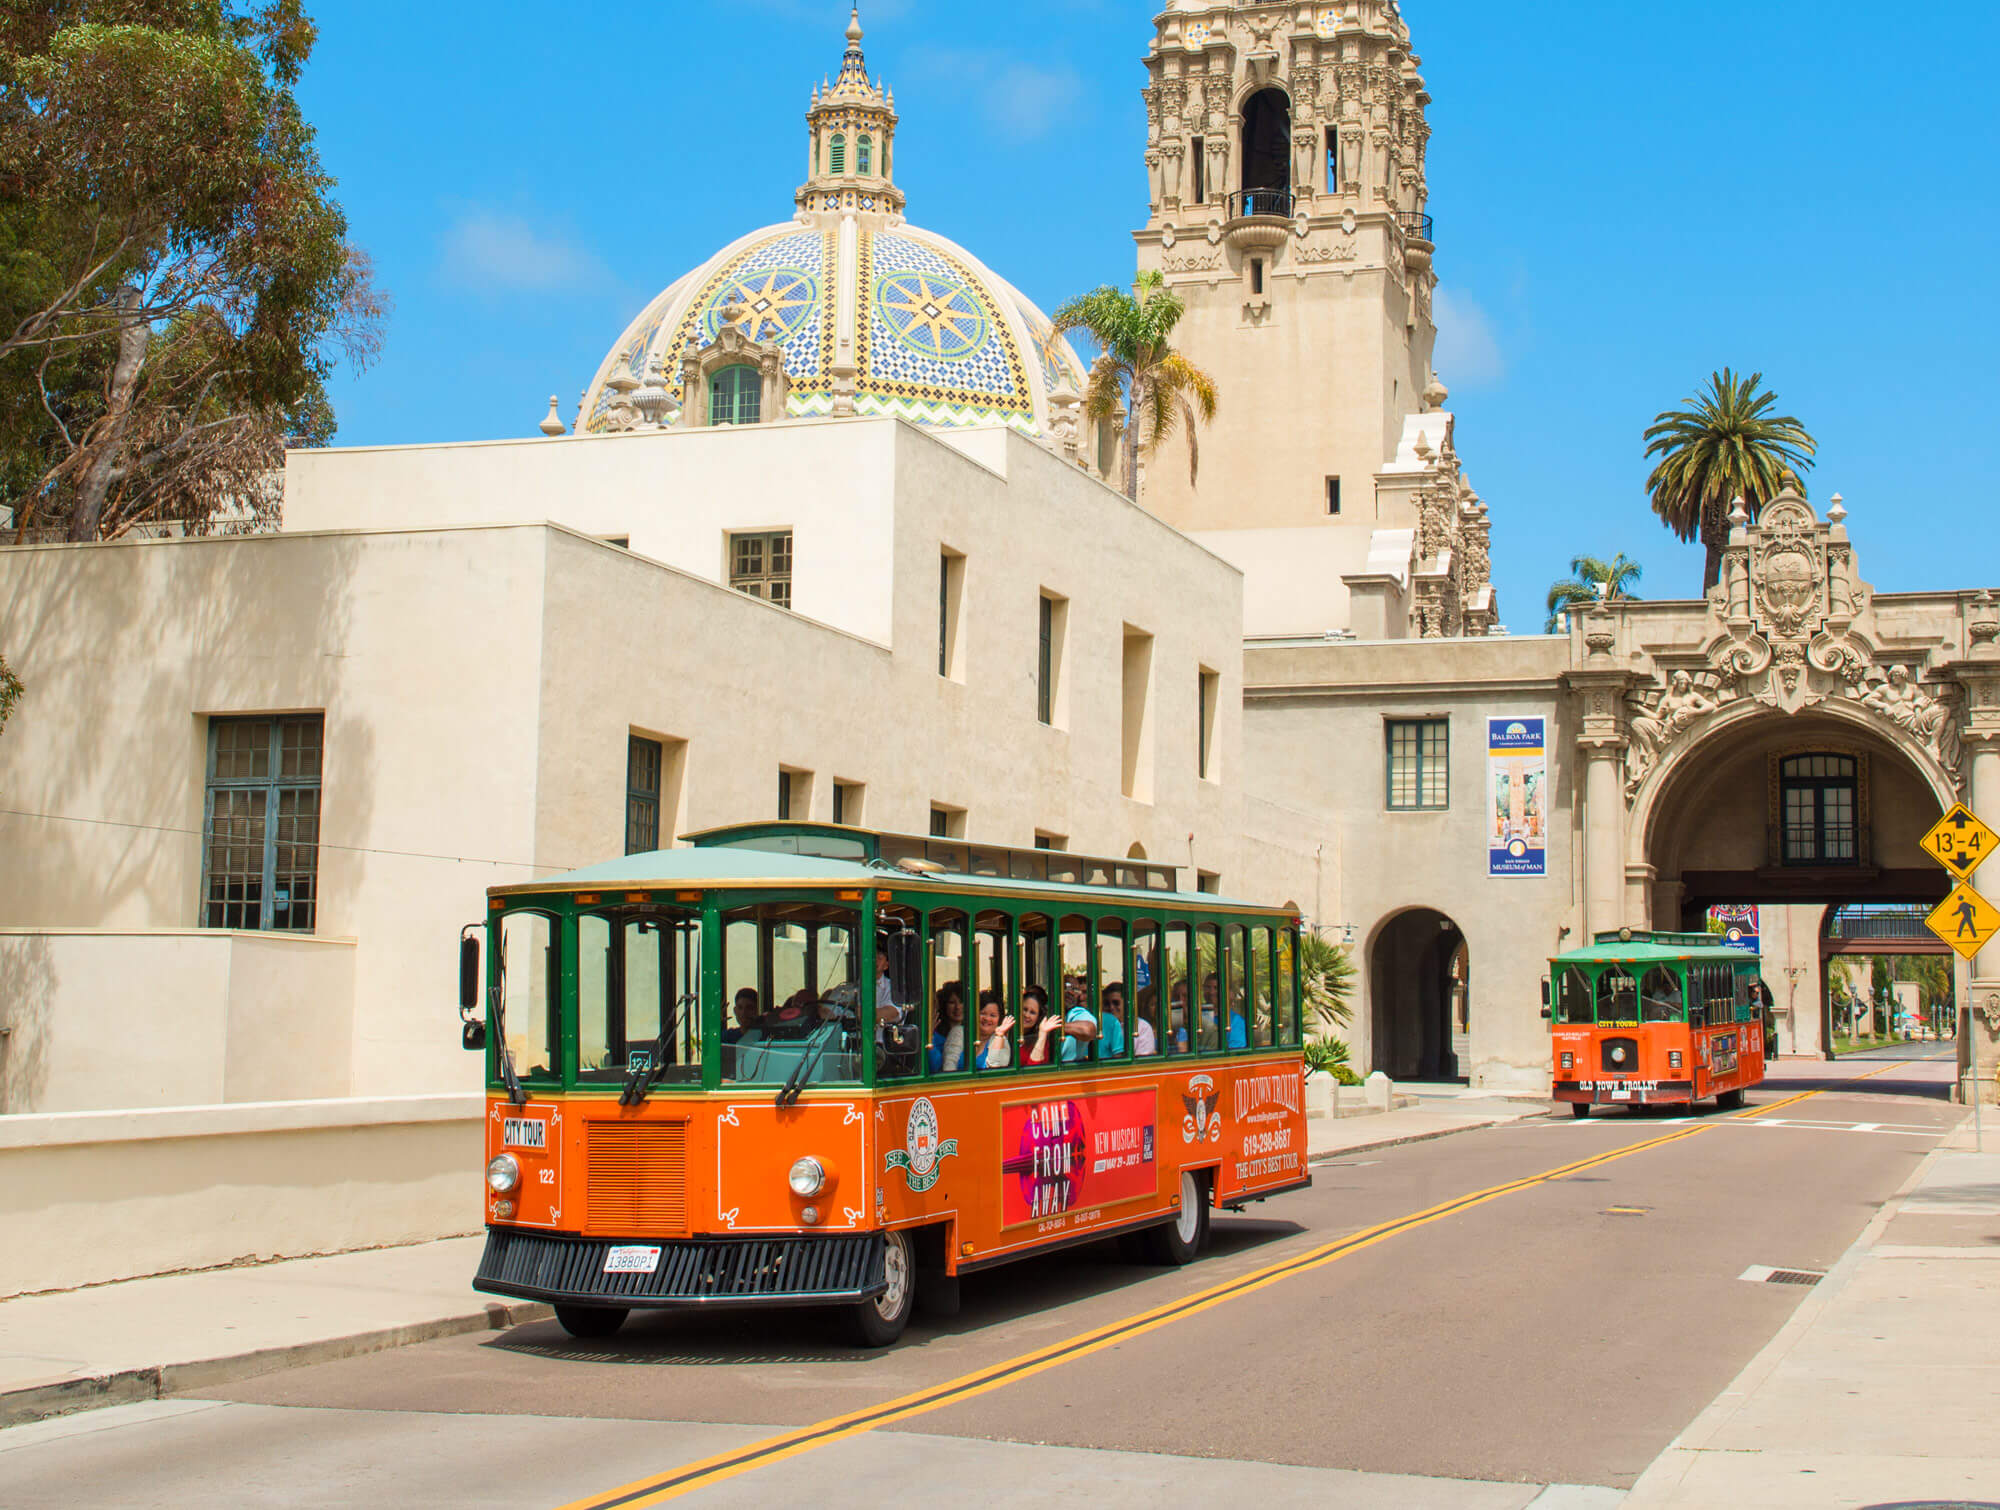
x=1591, y=581
x=1723, y=446
x=1167, y=391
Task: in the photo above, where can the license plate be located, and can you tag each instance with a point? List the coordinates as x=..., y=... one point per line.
x=632, y=1261
x=526, y=1132
x=1621, y=1095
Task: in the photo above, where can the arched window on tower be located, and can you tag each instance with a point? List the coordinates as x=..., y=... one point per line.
x=735, y=396
x=1267, y=153
x=836, y=162
x=865, y=156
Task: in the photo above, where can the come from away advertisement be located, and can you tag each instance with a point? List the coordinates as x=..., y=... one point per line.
x=1077, y=1152
x=1517, y=776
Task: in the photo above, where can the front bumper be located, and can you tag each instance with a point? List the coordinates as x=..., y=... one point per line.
x=712, y=1273
x=1626, y=1092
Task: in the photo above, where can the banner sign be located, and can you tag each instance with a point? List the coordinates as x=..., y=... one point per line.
x=1060, y=1156
x=1736, y=925
x=1517, y=774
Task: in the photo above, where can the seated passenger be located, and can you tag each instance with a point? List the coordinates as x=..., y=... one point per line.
x=1177, y=1014
x=1079, y=1028
x=1663, y=1005
x=948, y=1038
x=1211, y=1009
x=749, y=1017
x=1145, y=1037
x=1038, y=1025
x=1111, y=1021
x=996, y=1049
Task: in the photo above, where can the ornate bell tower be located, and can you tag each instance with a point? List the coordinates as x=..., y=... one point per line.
x=1285, y=161
x=852, y=124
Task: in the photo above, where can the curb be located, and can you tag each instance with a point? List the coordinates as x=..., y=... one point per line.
x=1423, y=1137
x=129, y=1386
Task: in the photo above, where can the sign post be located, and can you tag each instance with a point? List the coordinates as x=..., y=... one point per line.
x=1965, y=920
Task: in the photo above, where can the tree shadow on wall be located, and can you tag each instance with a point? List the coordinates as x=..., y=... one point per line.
x=27, y=1002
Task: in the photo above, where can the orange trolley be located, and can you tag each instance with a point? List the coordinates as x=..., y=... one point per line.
x=809, y=1065
x=1645, y=1019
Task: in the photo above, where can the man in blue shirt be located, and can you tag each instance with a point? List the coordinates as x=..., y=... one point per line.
x=1079, y=1022
x=1111, y=1025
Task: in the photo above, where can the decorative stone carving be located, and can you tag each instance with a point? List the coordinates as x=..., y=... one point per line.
x=1791, y=625
x=1343, y=251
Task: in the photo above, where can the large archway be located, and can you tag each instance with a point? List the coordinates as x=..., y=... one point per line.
x=1419, y=972
x=1800, y=816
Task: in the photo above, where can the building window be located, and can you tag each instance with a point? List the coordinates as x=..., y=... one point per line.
x=794, y=793
x=1817, y=793
x=1333, y=495
x=645, y=760
x=1200, y=171
x=735, y=396
x=1332, y=160
x=1137, y=721
x=847, y=802
x=1208, y=694
x=951, y=599
x=837, y=158
x=1419, y=764
x=1046, y=840
x=1052, y=631
x=865, y=157
x=761, y=565
x=1208, y=880
x=261, y=828
x=1256, y=275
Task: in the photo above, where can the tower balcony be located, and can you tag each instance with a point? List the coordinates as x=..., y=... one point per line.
x=1259, y=218
x=1419, y=239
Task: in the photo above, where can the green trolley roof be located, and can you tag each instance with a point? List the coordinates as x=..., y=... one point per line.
x=1657, y=949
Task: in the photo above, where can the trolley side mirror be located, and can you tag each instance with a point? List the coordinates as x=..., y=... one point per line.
x=1545, y=999
x=474, y=1034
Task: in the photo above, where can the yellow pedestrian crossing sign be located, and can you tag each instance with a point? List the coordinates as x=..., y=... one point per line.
x=1960, y=842
x=1965, y=920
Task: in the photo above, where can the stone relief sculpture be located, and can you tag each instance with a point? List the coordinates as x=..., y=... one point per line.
x=1790, y=625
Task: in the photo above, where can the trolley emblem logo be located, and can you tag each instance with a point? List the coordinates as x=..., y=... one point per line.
x=1204, y=1111
x=922, y=1154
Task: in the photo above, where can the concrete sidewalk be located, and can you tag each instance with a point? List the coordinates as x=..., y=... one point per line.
x=144, y=1338
x=1884, y=1388
x=1437, y=1114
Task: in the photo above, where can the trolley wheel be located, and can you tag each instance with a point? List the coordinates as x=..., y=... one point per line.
x=879, y=1322
x=1731, y=1101
x=1579, y=1108
x=591, y=1321
x=1181, y=1240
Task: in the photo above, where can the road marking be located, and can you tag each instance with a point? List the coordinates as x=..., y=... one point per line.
x=710, y=1471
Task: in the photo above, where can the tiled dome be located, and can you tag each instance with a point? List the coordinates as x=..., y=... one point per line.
x=930, y=334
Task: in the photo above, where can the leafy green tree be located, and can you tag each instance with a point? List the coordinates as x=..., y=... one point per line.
x=10, y=691
x=1723, y=445
x=1591, y=580
x=176, y=282
x=1167, y=392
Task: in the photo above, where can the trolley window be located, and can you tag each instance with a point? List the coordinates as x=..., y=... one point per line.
x=1660, y=996
x=1573, y=997
x=1146, y=1031
x=899, y=991
x=1263, y=990
x=950, y=954
x=1177, y=953
x=638, y=984
x=803, y=959
x=530, y=985
x=1285, y=987
x=1617, y=996
x=1114, y=1001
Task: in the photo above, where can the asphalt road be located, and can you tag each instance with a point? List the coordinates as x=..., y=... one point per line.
x=1560, y=1331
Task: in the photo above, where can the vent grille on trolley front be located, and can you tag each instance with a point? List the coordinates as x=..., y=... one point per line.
x=638, y=1178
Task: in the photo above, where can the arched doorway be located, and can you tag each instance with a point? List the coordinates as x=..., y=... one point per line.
x=1267, y=146
x=1887, y=977
x=1807, y=817
x=1418, y=990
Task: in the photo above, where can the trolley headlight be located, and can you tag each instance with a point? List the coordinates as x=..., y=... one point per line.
x=1618, y=1054
x=808, y=1178
x=1673, y=1059
x=503, y=1174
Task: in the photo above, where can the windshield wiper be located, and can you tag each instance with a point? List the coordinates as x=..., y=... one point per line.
x=639, y=1084
x=499, y=1015
x=796, y=1085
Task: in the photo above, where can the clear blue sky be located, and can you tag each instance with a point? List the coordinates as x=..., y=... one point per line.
x=1626, y=196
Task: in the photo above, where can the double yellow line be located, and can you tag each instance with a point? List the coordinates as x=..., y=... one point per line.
x=676, y=1482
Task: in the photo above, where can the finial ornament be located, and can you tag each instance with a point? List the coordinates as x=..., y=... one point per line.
x=854, y=25
x=1839, y=510
x=552, y=424
x=1738, y=515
